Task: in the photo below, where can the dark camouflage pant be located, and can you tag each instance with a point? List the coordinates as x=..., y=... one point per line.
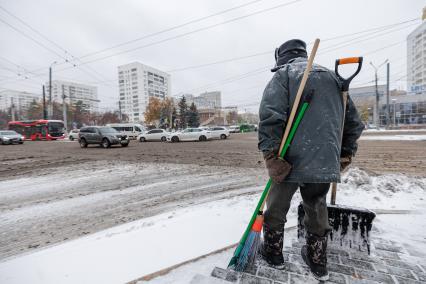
x=314, y=203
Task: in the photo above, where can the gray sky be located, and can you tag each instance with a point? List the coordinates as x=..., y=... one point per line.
x=83, y=27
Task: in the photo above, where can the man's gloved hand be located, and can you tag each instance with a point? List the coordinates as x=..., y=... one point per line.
x=278, y=168
x=345, y=162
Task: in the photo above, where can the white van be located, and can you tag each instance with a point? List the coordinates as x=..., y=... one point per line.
x=132, y=130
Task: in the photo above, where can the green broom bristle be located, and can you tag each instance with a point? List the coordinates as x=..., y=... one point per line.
x=251, y=246
x=249, y=252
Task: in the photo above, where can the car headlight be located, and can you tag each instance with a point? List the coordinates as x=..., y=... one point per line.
x=6, y=138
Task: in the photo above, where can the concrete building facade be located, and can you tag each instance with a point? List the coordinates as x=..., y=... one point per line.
x=209, y=100
x=74, y=92
x=137, y=83
x=204, y=101
x=20, y=100
x=416, y=59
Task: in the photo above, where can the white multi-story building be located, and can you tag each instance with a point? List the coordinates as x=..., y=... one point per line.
x=416, y=59
x=20, y=100
x=74, y=92
x=137, y=83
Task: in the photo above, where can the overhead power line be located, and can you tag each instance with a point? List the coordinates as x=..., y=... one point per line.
x=380, y=28
x=171, y=28
x=45, y=38
x=191, y=32
x=187, y=33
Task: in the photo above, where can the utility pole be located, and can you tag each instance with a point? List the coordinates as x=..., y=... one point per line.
x=50, y=93
x=376, y=114
x=13, y=109
x=171, y=117
x=44, y=104
x=64, y=108
x=394, y=112
x=119, y=109
x=376, y=105
x=387, y=96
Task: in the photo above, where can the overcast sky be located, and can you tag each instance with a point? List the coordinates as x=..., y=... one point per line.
x=85, y=27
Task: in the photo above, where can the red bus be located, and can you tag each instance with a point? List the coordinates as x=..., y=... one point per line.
x=39, y=129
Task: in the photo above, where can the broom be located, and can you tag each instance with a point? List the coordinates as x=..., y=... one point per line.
x=245, y=253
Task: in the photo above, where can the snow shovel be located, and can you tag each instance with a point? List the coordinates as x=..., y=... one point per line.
x=351, y=226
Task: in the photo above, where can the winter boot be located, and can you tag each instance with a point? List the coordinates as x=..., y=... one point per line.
x=272, y=247
x=314, y=253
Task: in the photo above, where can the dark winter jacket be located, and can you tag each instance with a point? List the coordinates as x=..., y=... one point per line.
x=315, y=151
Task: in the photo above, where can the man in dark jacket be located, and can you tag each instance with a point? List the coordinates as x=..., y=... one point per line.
x=316, y=155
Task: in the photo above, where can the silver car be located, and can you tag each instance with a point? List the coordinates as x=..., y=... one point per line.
x=10, y=137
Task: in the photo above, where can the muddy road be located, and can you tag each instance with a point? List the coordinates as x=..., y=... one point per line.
x=52, y=192
x=238, y=151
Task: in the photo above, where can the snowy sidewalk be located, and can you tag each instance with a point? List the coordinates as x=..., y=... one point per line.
x=390, y=262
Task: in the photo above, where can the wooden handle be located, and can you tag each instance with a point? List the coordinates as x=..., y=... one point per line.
x=334, y=184
x=333, y=193
x=299, y=93
x=296, y=102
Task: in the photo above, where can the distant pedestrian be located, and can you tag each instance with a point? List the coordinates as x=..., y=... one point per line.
x=315, y=157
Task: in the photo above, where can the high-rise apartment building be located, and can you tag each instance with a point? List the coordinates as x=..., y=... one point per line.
x=74, y=92
x=137, y=83
x=416, y=59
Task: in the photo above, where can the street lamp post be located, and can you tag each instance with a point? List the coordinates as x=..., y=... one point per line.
x=376, y=112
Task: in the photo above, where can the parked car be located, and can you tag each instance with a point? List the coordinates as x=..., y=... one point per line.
x=219, y=132
x=132, y=130
x=73, y=134
x=154, y=135
x=234, y=129
x=10, y=137
x=189, y=134
x=102, y=135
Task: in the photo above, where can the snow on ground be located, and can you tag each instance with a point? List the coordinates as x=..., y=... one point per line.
x=135, y=249
x=395, y=137
x=383, y=130
x=126, y=252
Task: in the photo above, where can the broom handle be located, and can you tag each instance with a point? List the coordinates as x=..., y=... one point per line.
x=295, y=106
x=334, y=184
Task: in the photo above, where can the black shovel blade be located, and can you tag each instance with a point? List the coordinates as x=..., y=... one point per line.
x=351, y=226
